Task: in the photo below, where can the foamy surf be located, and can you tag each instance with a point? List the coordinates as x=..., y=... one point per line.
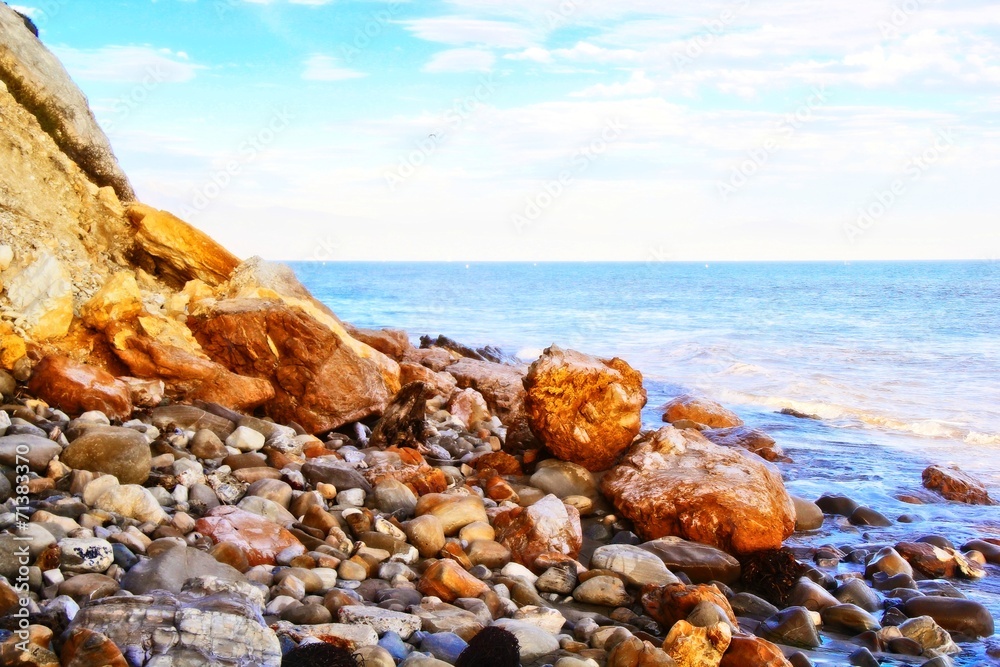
x=926, y=428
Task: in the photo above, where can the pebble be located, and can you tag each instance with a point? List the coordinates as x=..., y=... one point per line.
x=245, y=439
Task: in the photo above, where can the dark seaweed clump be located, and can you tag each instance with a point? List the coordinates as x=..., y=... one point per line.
x=319, y=654
x=492, y=647
x=771, y=574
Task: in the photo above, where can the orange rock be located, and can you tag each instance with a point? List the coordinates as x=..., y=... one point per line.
x=957, y=485
x=501, y=385
x=547, y=526
x=469, y=407
x=633, y=652
x=393, y=343
x=675, y=482
x=697, y=647
x=674, y=602
x=499, y=490
x=177, y=252
x=76, y=388
x=85, y=648
x=701, y=411
x=320, y=379
x=441, y=384
x=406, y=465
x=502, y=462
x=260, y=539
x=187, y=374
x=745, y=651
x=447, y=580
x=585, y=410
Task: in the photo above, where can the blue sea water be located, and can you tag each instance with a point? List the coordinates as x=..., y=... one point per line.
x=899, y=360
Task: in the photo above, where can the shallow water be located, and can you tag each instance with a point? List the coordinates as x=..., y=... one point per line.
x=899, y=360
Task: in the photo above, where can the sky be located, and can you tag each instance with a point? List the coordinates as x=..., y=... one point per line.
x=629, y=130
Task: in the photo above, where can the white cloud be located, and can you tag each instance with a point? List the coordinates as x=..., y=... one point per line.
x=637, y=85
x=127, y=64
x=461, y=60
x=319, y=67
x=459, y=31
x=533, y=53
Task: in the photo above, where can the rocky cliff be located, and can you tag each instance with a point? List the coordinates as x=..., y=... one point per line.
x=91, y=274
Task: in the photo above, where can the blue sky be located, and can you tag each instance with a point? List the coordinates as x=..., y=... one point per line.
x=553, y=129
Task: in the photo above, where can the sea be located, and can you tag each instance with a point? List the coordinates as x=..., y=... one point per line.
x=898, y=362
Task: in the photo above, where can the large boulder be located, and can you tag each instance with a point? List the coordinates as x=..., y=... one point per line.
x=500, y=384
x=322, y=378
x=76, y=388
x=260, y=539
x=957, y=485
x=175, y=251
x=547, y=526
x=584, y=409
x=701, y=411
x=674, y=482
x=122, y=452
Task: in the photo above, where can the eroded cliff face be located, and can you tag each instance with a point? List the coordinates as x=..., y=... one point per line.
x=91, y=274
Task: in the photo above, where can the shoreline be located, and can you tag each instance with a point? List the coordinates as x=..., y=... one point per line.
x=598, y=524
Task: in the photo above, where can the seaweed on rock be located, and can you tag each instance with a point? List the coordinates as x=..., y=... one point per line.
x=491, y=647
x=319, y=654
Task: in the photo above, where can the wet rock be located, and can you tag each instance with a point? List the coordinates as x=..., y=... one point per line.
x=259, y=538
x=85, y=648
x=638, y=565
x=393, y=497
x=678, y=483
x=701, y=411
x=501, y=385
x=122, y=452
x=603, y=590
x=889, y=562
x=836, y=503
x=444, y=617
x=348, y=382
x=381, y=620
x=810, y=595
x=747, y=651
x=447, y=580
x=634, y=652
x=863, y=658
x=82, y=555
x=444, y=646
x=488, y=553
x=856, y=592
x=533, y=642
x=564, y=479
x=191, y=418
x=700, y=562
x=584, y=409
x=547, y=526
x=936, y=562
x=988, y=549
x=674, y=602
x=225, y=628
x=866, y=516
x=133, y=501
x=751, y=439
x=957, y=485
x=697, y=647
x=808, y=515
x=454, y=512
x=172, y=568
x=426, y=533
x=340, y=474
x=557, y=579
x=850, y=618
x=931, y=637
x=751, y=606
x=350, y=637
x=86, y=587
x=75, y=388
x=38, y=451
x=964, y=617
x=792, y=627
